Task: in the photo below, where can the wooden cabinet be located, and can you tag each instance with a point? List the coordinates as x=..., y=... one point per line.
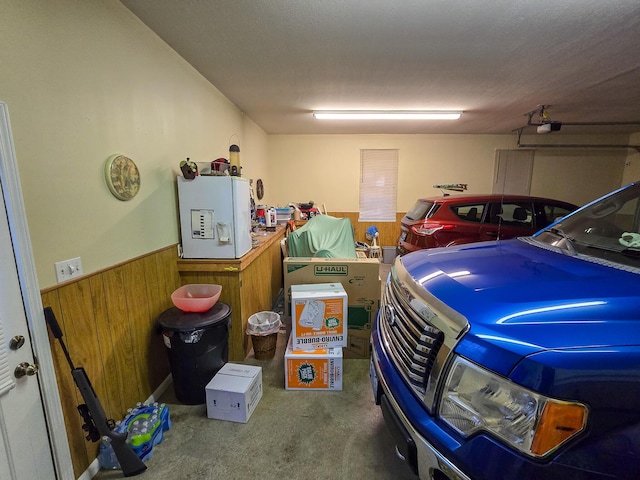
x=249, y=284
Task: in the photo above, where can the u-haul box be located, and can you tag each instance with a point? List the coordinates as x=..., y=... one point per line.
x=319, y=369
x=319, y=316
x=360, y=279
x=359, y=276
x=234, y=392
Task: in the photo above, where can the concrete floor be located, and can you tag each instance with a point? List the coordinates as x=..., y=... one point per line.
x=291, y=435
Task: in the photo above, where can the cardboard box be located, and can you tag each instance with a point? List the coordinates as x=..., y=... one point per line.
x=319, y=316
x=234, y=392
x=358, y=342
x=360, y=278
x=319, y=369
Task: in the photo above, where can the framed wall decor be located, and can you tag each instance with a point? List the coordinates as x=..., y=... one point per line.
x=122, y=177
x=260, y=189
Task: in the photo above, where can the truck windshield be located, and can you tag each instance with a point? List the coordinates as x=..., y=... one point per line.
x=607, y=229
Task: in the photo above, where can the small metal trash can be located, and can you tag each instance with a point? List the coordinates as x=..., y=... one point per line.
x=198, y=346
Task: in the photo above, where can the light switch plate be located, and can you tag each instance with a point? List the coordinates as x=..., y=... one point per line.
x=68, y=269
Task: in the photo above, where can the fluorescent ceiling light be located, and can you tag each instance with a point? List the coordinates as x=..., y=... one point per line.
x=387, y=115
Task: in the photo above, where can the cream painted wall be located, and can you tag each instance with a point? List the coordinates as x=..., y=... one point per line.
x=326, y=168
x=253, y=154
x=84, y=79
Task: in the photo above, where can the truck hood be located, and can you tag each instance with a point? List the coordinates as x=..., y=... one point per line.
x=527, y=298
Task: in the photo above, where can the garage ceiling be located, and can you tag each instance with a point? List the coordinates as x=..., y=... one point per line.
x=497, y=60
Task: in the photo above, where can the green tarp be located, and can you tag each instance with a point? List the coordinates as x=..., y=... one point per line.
x=323, y=236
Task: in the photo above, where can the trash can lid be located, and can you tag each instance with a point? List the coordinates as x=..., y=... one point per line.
x=177, y=320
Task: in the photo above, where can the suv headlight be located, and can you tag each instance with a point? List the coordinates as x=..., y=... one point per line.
x=475, y=399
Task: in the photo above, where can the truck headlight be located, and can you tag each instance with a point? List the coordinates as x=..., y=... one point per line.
x=475, y=399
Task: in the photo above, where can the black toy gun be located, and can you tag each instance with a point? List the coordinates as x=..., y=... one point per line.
x=96, y=423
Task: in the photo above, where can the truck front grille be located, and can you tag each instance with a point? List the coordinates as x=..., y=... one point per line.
x=417, y=334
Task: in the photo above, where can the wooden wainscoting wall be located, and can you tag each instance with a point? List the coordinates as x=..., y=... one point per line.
x=388, y=231
x=109, y=323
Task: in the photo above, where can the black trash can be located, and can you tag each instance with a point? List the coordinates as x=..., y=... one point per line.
x=198, y=346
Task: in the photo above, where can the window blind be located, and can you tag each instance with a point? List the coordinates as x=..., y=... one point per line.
x=378, y=185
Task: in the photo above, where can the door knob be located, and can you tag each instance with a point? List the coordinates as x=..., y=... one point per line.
x=25, y=368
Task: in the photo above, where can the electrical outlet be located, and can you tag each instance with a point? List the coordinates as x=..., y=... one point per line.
x=68, y=269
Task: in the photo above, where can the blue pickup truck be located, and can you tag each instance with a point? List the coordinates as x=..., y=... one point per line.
x=518, y=359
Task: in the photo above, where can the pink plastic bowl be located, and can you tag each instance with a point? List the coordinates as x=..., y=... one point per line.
x=196, y=297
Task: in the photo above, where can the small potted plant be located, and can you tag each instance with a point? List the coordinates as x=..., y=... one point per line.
x=189, y=169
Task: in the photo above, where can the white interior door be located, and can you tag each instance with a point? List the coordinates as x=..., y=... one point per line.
x=33, y=440
x=25, y=441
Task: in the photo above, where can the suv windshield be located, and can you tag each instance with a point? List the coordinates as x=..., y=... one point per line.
x=607, y=229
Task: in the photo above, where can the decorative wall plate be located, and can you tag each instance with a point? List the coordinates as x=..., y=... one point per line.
x=259, y=189
x=122, y=177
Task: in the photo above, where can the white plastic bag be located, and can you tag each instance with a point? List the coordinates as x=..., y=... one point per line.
x=263, y=323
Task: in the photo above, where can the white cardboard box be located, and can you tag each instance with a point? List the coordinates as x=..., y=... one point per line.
x=234, y=392
x=319, y=316
x=313, y=369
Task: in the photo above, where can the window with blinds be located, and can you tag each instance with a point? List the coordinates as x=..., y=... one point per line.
x=378, y=185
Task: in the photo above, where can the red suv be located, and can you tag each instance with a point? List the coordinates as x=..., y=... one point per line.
x=457, y=219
